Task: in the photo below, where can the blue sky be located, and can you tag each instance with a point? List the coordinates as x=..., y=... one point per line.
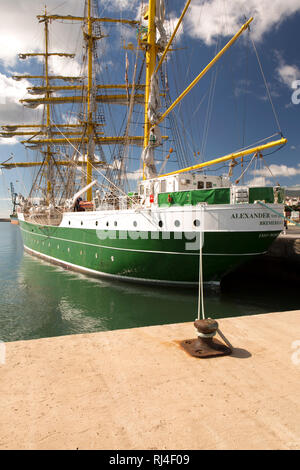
x=237, y=114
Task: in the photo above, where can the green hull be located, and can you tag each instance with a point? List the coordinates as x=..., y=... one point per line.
x=147, y=258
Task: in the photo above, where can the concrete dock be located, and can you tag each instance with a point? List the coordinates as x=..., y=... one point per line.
x=137, y=389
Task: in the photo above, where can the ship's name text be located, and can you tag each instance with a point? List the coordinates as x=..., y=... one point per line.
x=255, y=215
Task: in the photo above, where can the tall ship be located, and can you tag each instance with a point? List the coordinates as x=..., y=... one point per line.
x=81, y=212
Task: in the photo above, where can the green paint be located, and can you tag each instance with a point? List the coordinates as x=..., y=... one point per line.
x=143, y=256
x=182, y=198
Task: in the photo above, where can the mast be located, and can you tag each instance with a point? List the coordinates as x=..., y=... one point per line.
x=86, y=133
x=150, y=66
x=48, y=121
x=90, y=127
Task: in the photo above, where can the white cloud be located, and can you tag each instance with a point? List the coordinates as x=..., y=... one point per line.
x=288, y=74
x=21, y=32
x=135, y=176
x=11, y=92
x=64, y=66
x=121, y=4
x=10, y=141
x=278, y=170
x=259, y=181
x=170, y=25
x=210, y=18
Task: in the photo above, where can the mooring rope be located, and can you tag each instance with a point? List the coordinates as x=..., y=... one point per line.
x=200, y=283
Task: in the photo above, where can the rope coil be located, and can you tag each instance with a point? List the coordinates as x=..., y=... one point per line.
x=205, y=335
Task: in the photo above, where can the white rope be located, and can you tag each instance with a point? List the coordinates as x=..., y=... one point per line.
x=200, y=289
x=246, y=169
x=258, y=142
x=272, y=176
x=208, y=335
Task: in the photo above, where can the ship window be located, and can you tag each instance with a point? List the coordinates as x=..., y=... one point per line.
x=96, y=222
x=69, y=222
x=160, y=223
x=196, y=222
x=177, y=223
x=209, y=184
x=81, y=223
x=58, y=247
x=107, y=224
x=115, y=223
x=96, y=255
x=68, y=250
x=135, y=223
x=200, y=185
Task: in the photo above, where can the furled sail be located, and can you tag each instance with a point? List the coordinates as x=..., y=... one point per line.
x=154, y=103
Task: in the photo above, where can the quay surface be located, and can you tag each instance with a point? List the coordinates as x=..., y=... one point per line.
x=137, y=389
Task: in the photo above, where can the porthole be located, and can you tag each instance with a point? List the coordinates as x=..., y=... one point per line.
x=81, y=223
x=177, y=223
x=115, y=223
x=160, y=223
x=69, y=222
x=196, y=223
x=107, y=224
x=135, y=223
x=96, y=222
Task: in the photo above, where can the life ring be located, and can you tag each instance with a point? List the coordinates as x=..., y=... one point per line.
x=86, y=204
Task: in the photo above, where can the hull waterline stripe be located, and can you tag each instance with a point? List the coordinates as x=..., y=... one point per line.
x=143, y=251
x=111, y=276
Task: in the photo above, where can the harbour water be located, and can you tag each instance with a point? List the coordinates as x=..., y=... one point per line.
x=41, y=300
